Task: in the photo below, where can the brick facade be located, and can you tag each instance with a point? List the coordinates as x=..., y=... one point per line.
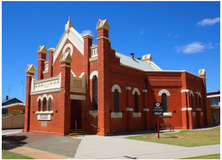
x=70, y=75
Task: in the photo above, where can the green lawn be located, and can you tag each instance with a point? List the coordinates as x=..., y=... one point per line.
x=184, y=138
x=212, y=156
x=10, y=155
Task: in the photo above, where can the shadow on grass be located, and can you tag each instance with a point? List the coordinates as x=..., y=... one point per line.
x=10, y=142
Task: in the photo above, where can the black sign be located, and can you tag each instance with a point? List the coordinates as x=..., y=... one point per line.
x=157, y=109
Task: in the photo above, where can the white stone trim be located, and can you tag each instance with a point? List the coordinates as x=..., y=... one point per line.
x=77, y=97
x=45, y=91
x=93, y=113
x=44, y=112
x=199, y=94
x=145, y=90
x=94, y=73
x=201, y=113
x=128, y=88
x=163, y=91
x=50, y=96
x=129, y=109
x=65, y=66
x=194, y=113
x=146, y=109
x=69, y=45
x=116, y=115
x=136, y=90
x=116, y=86
x=103, y=37
x=39, y=98
x=92, y=59
x=198, y=109
x=187, y=109
x=136, y=114
x=184, y=90
x=191, y=93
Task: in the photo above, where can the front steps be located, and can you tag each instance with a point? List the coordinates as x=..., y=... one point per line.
x=80, y=133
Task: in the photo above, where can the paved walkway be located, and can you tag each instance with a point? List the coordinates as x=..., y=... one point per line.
x=115, y=147
x=46, y=146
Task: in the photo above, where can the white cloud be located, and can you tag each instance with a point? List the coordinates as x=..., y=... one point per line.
x=209, y=21
x=85, y=32
x=194, y=47
x=142, y=31
x=176, y=35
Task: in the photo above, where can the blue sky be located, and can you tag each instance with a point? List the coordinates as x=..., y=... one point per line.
x=179, y=35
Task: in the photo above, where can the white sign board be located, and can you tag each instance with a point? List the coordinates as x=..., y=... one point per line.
x=46, y=117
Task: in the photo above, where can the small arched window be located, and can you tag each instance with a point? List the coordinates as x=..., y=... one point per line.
x=44, y=104
x=49, y=104
x=191, y=100
x=39, y=105
x=164, y=102
x=200, y=105
x=136, y=101
x=95, y=93
x=116, y=100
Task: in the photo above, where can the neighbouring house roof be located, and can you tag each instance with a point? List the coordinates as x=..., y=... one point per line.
x=213, y=94
x=11, y=101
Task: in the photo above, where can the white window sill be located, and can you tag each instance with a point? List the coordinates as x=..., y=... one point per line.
x=93, y=113
x=44, y=112
x=136, y=114
x=116, y=115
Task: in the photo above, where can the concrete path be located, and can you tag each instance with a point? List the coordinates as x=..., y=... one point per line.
x=116, y=147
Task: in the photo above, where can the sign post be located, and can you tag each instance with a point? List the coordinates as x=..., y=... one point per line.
x=158, y=111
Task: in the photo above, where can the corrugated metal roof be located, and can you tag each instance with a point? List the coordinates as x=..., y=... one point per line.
x=137, y=64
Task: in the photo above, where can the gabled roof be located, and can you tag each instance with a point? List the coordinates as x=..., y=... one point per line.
x=10, y=101
x=137, y=64
x=75, y=38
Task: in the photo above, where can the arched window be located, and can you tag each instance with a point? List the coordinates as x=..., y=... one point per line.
x=39, y=105
x=200, y=101
x=164, y=102
x=116, y=100
x=44, y=104
x=136, y=101
x=191, y=100
x=95, y=93
x=49, y=104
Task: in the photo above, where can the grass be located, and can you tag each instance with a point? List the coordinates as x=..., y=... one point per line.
x=184, y=138
x=10, y=155
x=212, y=156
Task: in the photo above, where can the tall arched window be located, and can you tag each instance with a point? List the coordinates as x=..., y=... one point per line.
x=95, y=93
x=44, y=104
x=49, y=104
x=39, y=105
x=164, y=102
x=116, y=100
x=200, y=102
x=136, y=101
x=191, y=100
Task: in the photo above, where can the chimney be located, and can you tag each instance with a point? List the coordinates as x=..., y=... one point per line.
x=132, y=55
x=138, y=58
x=6, y=97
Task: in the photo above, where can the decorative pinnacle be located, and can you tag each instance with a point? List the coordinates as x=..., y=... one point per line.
x=68, y=25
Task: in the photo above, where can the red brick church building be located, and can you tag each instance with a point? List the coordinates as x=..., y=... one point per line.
x=94, y=87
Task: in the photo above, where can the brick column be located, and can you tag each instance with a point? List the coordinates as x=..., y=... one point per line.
x=103, y=77
x=129, y=109
x=42, y=51
x=87, y=54
x=65, y=102
x=30, y=70
x=146, y=110
x=50, y=69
